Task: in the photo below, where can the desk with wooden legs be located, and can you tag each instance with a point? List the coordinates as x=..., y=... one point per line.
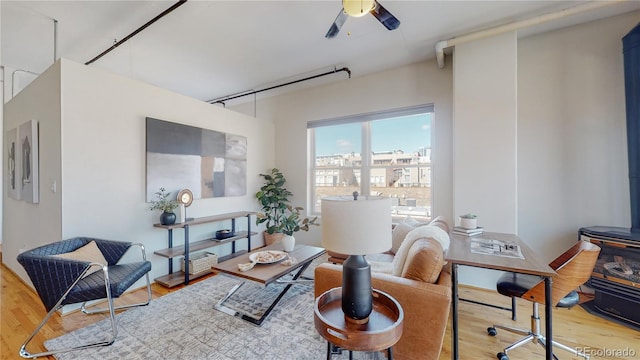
x=459, y=253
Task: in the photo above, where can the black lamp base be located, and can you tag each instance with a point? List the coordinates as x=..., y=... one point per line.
x=357, y=298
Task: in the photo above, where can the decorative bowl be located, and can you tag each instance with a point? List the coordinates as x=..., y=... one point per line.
x=224, y=234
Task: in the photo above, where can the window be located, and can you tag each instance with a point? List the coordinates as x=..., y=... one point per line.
x=386, y=154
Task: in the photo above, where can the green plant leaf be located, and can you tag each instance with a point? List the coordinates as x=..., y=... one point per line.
x=277, y=212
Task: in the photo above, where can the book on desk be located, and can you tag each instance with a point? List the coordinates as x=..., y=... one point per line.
x=467, y=232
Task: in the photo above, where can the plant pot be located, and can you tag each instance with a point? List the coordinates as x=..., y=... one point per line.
x=467, y=223
x=167, y=218
x=288, y=243
x=270, y=239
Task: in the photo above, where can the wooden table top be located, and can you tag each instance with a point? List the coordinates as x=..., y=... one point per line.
x=268, y=273
x=382, y=331
x=459, y=252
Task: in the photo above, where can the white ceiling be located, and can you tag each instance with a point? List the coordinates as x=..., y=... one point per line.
x=210, y=49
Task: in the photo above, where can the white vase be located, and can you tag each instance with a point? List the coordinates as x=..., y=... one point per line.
x=467, y=223
x=288, y=242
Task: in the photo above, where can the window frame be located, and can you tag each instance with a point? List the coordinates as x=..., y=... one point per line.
x=366, y=166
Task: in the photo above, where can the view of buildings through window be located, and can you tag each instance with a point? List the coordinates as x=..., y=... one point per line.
x=385, y=154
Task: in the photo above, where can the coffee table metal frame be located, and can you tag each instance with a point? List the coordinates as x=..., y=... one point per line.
x=267, y=274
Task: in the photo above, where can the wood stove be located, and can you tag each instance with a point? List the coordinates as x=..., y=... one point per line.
x=616, y=276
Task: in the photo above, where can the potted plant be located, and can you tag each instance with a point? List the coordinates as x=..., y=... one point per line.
x=164, y=203
x=279, y=216
x=468, y=221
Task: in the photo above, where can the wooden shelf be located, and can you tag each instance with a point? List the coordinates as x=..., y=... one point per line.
x=201, y=245
x=207, y=219
x=177, y=278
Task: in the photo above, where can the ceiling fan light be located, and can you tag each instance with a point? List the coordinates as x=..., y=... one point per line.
x=357, y=8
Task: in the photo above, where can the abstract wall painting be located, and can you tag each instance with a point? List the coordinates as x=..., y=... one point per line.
x=235, y=170
x=13, y=185
x=209, y=163
x=28, y=162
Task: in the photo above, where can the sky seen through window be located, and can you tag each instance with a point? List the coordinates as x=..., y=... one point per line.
x=406, y=133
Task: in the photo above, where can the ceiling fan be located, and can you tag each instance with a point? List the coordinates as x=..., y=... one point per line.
x=358, y=8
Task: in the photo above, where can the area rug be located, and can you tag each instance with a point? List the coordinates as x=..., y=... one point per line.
x=184, y=325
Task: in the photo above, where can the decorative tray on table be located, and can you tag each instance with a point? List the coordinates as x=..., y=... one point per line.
x=268, y=257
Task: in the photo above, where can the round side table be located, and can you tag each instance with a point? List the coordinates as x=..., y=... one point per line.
x=382, y=331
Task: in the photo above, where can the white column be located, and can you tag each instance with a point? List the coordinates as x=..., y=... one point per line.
x=484, y=136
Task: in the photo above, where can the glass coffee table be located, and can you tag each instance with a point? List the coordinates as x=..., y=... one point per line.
x=267, y=273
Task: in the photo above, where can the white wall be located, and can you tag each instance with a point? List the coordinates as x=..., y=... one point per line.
x=101, y=184
x=2, y=72
x=485, y=132
x=29, y=225
x=572, y=146
x=421, y=83
x=569, y=143
x=485, y=119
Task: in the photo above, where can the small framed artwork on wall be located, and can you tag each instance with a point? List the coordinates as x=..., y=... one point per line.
x=27, y=152
x=13, y=184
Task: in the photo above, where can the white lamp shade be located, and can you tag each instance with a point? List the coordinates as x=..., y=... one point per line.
x=356, y=227
x=357, y=8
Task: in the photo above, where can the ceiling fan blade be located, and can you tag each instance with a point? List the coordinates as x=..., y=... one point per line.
x=337, y=24
x=385, y=17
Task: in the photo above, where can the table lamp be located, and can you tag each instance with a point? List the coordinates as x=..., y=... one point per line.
x=356, y=228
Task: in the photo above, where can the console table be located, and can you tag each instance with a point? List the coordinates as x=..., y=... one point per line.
x=176, y=278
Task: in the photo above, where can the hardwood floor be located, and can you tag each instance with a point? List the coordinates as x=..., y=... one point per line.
x=21, y=311
x=573, y=327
